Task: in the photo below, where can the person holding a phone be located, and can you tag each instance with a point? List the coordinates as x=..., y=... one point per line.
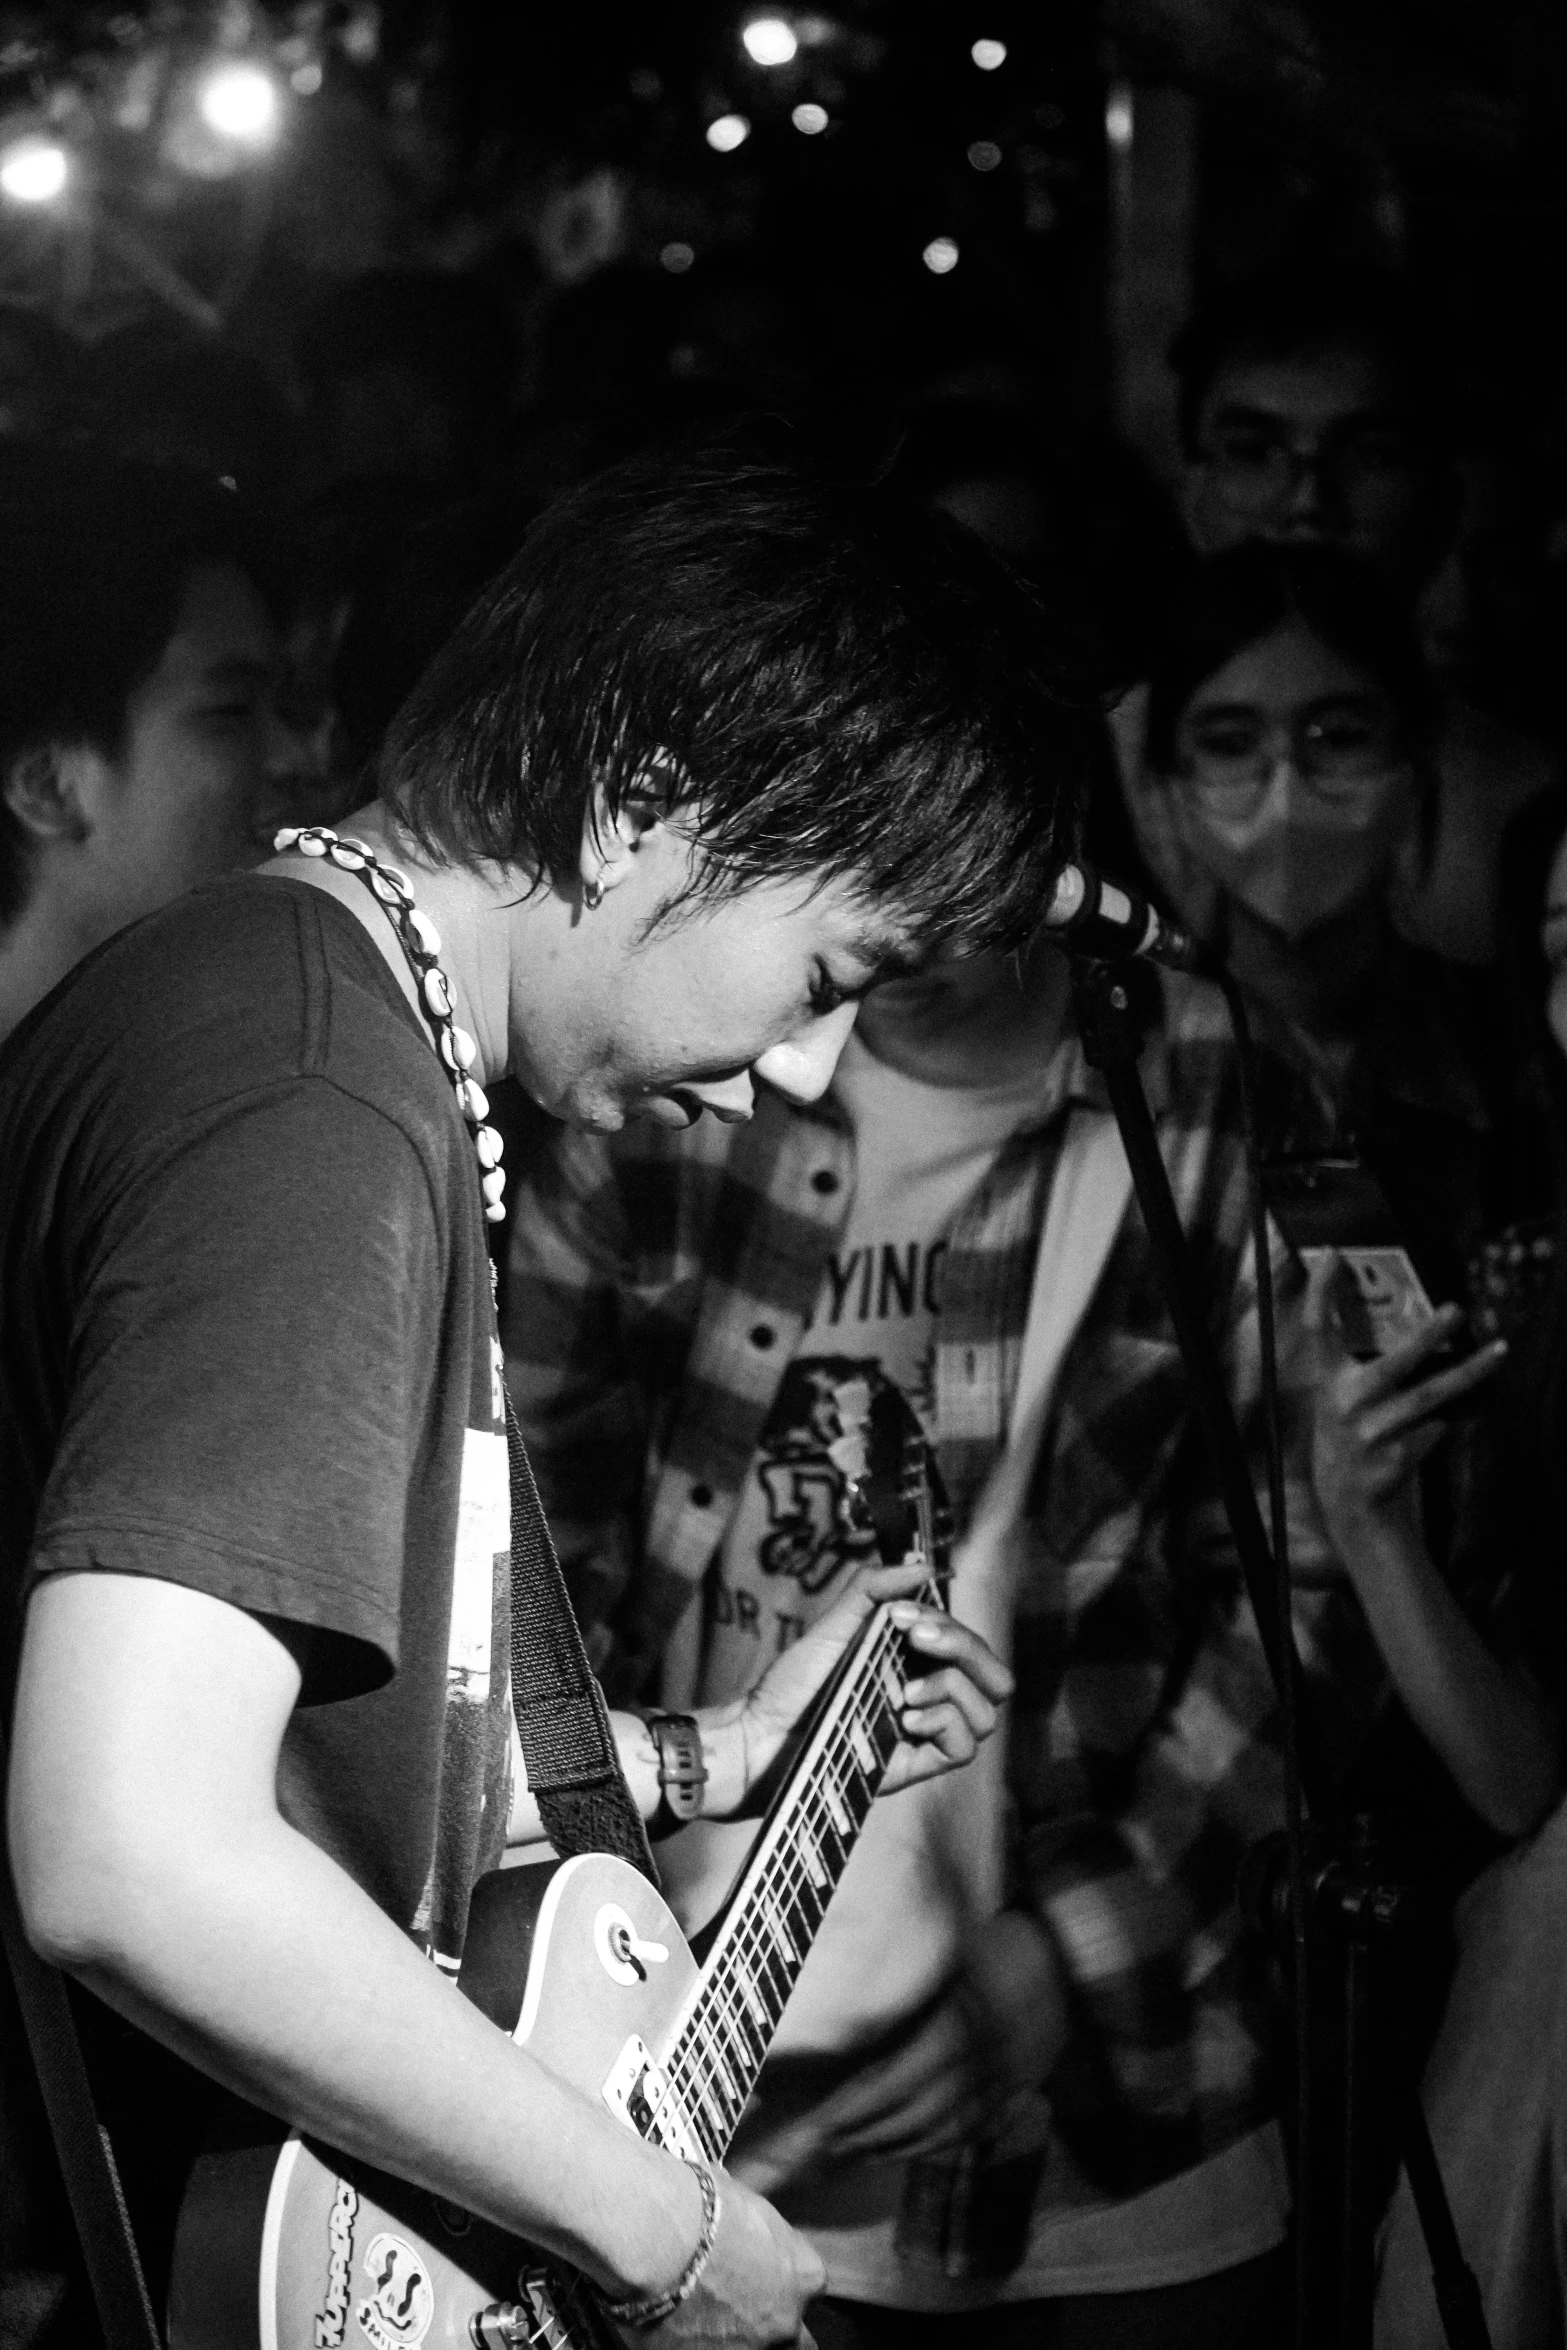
x=1495, y=2084
x=1483, y=1713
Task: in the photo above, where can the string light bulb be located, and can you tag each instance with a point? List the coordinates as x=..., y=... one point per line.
x=809, y=118
x=727, y=133
x=940, y=255
x=988, y=55
x=34, y=170
x=770, y=40
x=240, y=101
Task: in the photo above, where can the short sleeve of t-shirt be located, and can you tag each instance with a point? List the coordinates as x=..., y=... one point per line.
x=247, y=1344
x=257, y=1325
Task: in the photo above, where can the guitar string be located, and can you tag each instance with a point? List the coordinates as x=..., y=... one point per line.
x=829, y=1763
x=783, y=1879
x=785, y=1887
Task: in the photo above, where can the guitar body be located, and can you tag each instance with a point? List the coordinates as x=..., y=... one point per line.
x=283, y=2245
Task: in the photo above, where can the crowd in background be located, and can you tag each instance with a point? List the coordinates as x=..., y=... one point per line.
x=1329, y=656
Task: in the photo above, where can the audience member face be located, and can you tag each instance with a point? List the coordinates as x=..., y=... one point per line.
x=205, y=770
x=1293, y=783
x=1309, y=448
x=1553, y=943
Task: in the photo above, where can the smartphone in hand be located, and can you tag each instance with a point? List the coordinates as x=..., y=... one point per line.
x=1327, y=1206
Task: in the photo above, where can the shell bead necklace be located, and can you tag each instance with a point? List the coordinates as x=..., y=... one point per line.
x=421, y=943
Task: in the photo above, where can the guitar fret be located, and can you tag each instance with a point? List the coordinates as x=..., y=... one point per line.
x=810, y=1855
x=740, y=1975
x=724, y=2041
x=773, y=1981
x=775, y=1910
x=834, y=1802
x=711, y=2128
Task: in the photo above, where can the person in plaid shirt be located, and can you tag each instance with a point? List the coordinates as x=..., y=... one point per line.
x=676, y=1308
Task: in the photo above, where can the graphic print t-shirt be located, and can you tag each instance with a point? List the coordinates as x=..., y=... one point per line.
x=921, y=1152
x=247, y=1344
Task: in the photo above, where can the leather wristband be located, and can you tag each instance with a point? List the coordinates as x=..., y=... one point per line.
x=682, y=1774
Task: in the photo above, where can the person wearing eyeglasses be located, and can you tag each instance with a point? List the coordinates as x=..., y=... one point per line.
x=1289, y=742
x=1306, y=413
x=1305, y=420
x=1290, y=731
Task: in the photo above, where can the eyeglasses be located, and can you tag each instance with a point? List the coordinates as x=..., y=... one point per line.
x=1257, y=470
x=1343, y=754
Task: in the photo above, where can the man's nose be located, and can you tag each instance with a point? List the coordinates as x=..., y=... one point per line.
x=1285, y=782
x=1306, y=506
x=801, y=1067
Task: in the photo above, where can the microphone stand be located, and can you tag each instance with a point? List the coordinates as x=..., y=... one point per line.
x=1342, y=1888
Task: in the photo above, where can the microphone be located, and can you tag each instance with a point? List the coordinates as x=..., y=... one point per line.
x=1111, y=923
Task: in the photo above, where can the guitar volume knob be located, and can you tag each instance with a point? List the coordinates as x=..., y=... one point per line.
x=505, y=2325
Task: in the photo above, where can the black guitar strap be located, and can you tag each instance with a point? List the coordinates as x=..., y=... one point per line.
x=573, y=1765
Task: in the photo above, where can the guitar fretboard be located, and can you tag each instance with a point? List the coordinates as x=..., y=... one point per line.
x=781, y=1899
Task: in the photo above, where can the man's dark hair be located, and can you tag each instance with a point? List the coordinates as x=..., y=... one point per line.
x=845, y=686
x=1238, y=598
x=1303, y=303
x=94, y=557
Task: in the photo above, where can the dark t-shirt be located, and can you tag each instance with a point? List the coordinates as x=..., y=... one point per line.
x=247, y=1343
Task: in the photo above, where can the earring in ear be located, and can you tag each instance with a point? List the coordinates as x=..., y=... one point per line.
x=593, y=895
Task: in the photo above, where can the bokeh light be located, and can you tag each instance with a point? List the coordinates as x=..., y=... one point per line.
x=677, y=258
x=34, y=171
x=769, y=40
x=987, y=55
x=728, y=132
x=984, y=155
x=240, y=101
x=809, y=118
x=940, y=255
x=1118, y=117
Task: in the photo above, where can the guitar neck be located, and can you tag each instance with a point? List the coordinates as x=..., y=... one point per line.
x=778, y=1905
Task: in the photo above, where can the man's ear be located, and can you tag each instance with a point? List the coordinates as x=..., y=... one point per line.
x=611, y=841
x=52, y=791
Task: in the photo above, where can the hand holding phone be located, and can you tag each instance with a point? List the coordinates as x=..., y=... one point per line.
x=1378, y=1416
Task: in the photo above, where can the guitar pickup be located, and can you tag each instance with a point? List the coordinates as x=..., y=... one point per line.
x=638, y=2093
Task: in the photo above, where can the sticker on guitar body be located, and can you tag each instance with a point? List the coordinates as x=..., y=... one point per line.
x=401, y=2305
x=332, y=2323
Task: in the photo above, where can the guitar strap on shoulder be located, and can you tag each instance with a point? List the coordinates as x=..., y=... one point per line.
x=563, y=1723
x=81, y=2143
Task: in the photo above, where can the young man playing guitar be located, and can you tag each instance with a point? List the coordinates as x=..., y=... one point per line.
x=726, y=745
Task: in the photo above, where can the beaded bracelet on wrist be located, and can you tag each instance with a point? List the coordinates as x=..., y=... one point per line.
x=421, y=943
x=651, y=2309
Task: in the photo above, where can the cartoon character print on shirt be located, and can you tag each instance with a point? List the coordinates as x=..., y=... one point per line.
x=812, y=1533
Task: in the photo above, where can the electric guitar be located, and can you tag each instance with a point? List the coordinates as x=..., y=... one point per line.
x=288, y=2246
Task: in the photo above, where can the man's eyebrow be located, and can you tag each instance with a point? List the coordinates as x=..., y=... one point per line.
x=239, y=669
x=1200, y=709
x=1379, y=416
x=1241, y=412
x=885, y=955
